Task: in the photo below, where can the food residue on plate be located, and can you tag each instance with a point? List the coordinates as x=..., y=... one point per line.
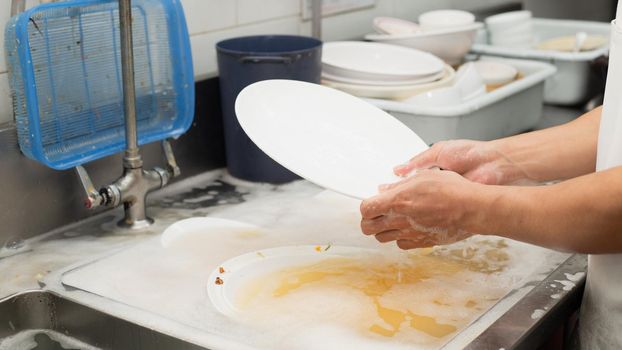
x=221, y=269
x=219, y=281
x=413, y=296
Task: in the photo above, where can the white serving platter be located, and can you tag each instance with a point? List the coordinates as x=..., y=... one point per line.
x=376, y=61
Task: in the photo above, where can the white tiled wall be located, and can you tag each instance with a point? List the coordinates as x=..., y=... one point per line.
x=210, y=21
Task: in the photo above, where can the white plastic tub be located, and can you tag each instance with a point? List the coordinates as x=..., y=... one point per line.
x=570, y=85
x=508, y=110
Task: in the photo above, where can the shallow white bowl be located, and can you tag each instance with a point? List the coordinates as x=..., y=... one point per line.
x=392, y=92
x=445, y=18
x=377, y=61
x=450, y=44
x=392, y=25
x=495, y=73
x=469, y=82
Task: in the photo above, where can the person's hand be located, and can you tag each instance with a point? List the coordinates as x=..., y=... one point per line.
x=432, y=207
x=478, y=161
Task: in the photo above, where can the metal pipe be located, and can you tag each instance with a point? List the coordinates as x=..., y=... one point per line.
x=17, y=6
x=316, y=19
x=132, y=158
x=132, y=188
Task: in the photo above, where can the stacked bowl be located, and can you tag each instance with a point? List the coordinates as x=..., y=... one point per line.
x=510, y=29
x=448, y=34
x=379, y=70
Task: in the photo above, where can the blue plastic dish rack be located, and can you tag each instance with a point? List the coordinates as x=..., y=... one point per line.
x=65, y=75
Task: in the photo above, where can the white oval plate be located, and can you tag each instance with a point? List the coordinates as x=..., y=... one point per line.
x=376, y=61
x=326, y=136
x=424, y=79
x=242, y=269
x=397, y=92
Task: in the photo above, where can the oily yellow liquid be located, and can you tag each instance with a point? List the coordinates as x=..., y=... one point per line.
x=375, y=278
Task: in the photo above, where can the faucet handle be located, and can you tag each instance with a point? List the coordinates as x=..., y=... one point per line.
x=93, y=198
x=171, y=163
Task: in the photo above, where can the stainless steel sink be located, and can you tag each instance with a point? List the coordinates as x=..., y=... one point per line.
x=41, y=318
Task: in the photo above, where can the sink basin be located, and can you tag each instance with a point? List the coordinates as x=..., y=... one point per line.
x=50, y=322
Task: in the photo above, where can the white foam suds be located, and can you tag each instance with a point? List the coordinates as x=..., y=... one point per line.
x=568, y=285
x=293, y=214
x=537, y=313
x=27, y=340
x=575, y=277
x=556, y=296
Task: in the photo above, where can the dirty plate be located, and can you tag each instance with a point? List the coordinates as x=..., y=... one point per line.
x=326, y=136
x=185, y=229
x=227, y=283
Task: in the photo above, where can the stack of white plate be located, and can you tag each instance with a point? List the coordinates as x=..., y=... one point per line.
x=382, y=71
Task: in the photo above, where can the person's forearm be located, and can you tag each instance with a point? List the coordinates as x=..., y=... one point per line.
x=580, y=215
x=557, y=153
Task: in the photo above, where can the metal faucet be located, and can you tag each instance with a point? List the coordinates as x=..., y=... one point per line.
x=132, y=188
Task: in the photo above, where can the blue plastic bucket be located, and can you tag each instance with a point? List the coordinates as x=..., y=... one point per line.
x=245, y=60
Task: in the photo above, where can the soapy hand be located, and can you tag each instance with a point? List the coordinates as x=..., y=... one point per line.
x=477, y=161
x=432, y=207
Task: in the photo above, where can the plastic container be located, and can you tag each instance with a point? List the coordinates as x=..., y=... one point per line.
x=65, y=77
x=245, y=60
x=571, y=84
x=508, y=110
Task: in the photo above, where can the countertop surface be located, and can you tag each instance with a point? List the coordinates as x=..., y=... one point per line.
x=546, y=293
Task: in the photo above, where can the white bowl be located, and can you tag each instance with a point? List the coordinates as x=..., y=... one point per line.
x=469, y=82
x=445, y=18
x=392, y=25
x=507, y=20
x=447, y=96
x=392, y=92
x=450, y=44
x=495, y=73
x=376, y=61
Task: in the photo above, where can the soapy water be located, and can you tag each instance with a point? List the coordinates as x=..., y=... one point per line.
x=422, y=297
x=43, y=339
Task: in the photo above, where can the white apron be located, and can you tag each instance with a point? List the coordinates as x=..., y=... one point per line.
x=600, y=323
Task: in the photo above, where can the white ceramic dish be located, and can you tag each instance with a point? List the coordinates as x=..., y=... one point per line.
x=469, y=82
x=495, y=73
x=450, y=44
x=422, y=80
x=200, y=225
x=326, y=136
x=393, y=92
x=243, y=269
x=376, y=61
x=445, y=19
x=447, y=96
x=392, y=25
